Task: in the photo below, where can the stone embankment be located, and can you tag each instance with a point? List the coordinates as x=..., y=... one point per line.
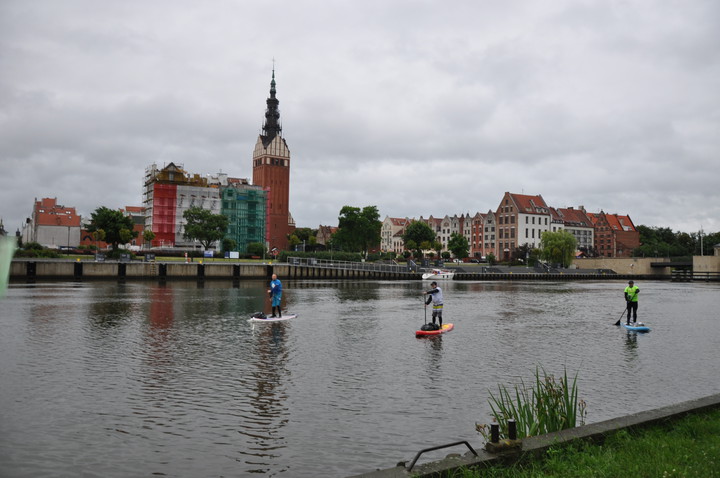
x=201, y=270
x=32, y=270
x=480, y=457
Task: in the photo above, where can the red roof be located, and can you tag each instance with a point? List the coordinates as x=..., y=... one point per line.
x=575, y=217
x=49, y=213
x=397, y=221
x=530, y=204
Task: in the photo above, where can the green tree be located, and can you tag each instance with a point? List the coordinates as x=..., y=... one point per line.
x=148, y=237
x=418, y=236
x=204, y=226
x=358, y=229
x=459, y=245
x=293, y=241
x=558, y=247
x=118, y=228
x=126, y=235
x=491, y=259
x=525, y=254
x=256, y=249
x=228, y=244
x=306, y=234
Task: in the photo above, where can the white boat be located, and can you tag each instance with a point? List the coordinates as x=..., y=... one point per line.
x=438, y=274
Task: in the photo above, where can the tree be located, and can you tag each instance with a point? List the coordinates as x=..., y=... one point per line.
x=204, y=226
x=458, y=245
x=117, y=227
x=491, y=258
x=256, y=249
x=418, y=235
x=558, y=247
x=148, y=236
x=228, y=244
x=358, y=229
x=306, y=234
x=293, y=241
x=525, y=254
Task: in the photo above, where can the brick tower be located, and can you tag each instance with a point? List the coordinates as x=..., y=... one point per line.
x=271, y=170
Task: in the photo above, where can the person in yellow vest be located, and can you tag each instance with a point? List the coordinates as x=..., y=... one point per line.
x=631, y=297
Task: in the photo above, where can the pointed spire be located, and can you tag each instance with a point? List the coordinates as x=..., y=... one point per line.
x=272, y=126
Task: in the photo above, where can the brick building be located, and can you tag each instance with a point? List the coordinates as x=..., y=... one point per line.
x=271, y=171
x=52, y=225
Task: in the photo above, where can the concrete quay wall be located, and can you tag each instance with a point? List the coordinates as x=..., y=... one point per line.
x=31, y=270
x=86, y=270
x=539, y=444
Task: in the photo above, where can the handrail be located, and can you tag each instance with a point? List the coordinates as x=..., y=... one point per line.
x=438, y=448
x=347, y=265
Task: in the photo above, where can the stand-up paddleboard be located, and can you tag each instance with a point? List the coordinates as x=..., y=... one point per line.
x=273, y=319
x=445, y=328
x=637, y=327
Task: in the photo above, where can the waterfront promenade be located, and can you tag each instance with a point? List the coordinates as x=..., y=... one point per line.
x=309, y=268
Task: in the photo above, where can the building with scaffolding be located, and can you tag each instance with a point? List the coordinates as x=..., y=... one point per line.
x=245, y=206
x=170, y=191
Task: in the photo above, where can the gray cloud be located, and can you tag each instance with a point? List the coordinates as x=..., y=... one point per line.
x=417, y=107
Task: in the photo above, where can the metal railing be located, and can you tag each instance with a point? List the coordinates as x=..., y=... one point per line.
x=463, y=442
x=347, y=265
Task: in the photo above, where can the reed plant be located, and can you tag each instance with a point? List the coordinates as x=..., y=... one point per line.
x=548, y=405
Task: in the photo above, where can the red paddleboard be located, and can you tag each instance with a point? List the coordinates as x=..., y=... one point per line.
x=445, y=328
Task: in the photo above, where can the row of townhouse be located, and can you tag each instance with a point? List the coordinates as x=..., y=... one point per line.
x=520, y=220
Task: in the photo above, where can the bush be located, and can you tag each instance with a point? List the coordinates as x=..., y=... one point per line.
x=40, y=252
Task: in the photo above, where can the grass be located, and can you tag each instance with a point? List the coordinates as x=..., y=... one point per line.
x=685, y=447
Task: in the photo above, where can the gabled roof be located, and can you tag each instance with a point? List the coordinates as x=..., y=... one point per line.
x=398, y=221
x=615, y=222
x=556, y=216
x=575, y=217
x=620, y=223
x=530, y=204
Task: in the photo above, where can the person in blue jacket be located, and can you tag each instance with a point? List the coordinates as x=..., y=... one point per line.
x=275, y=292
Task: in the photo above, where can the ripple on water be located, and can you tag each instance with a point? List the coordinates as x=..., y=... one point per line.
x=122, y=380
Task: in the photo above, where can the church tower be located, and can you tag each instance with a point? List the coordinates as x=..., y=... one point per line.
x=271, y=170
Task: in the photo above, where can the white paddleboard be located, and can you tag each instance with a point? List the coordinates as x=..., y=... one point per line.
x=274, y=319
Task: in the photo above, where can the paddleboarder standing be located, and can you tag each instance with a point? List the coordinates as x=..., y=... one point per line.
x=631, y=297
x=436, y=297
x=275, y=292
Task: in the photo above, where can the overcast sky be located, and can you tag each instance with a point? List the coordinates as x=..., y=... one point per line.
x=416, y=107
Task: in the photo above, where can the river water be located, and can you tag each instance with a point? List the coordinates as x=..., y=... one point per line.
x=142, y=379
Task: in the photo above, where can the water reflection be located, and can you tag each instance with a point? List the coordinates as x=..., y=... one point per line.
x=173, y=380
x=267, y=399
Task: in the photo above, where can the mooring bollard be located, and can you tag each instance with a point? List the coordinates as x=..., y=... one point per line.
x=512, y=429
x=494, y=433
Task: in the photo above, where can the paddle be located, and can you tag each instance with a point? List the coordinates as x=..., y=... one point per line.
x=425, y=307
x=621, y=316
